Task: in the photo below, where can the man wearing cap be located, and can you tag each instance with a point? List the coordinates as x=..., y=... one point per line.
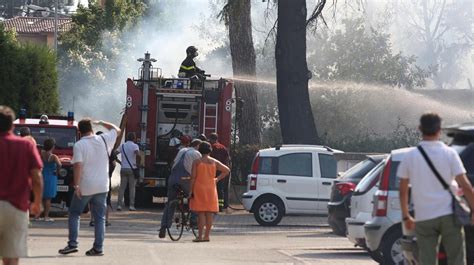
x=180, y=174
x=202, y=137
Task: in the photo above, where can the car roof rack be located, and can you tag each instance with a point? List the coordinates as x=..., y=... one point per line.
x=279, y=146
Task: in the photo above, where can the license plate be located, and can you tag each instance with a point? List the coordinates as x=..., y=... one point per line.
x=63, y=188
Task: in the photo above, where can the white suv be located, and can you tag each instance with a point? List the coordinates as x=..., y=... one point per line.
x=290, y=179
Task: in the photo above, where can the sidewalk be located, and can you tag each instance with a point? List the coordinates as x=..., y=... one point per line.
x=236, y=239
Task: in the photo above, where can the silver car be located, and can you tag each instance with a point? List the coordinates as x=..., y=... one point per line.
x=383, y=233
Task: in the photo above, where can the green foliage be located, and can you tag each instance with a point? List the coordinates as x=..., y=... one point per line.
x=90, y=22
x=361, y=54
x=88, y=51
x=366, y=141
x=9, y=77
x=242, y=157
x=28, y=76
x=366, y=118
x=439, y=32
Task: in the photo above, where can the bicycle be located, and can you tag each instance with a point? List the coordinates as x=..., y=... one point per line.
x=182, y=216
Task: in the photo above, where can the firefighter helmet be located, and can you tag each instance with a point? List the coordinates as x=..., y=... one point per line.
x=191, y=50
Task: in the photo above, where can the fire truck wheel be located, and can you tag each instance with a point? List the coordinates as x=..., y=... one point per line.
x=143, y=198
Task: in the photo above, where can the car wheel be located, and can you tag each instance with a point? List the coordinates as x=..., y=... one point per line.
x=391, y=249
x=338, y=228
x=268, y=211
x=375, y=255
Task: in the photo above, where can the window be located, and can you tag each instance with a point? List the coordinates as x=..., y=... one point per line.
x=369, y=180
x=328, y=165
x=266, y=165
x=300, y=164
x=358, y=171
x=64, y=137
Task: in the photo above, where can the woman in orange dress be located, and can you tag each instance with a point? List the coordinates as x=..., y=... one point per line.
x=203, y=189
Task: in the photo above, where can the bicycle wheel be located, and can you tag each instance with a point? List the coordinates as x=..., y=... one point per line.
x=192, y=226
x=195, y=231
x=175, y=231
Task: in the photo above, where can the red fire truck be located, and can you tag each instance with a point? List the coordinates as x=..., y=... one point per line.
x=159, y=109
x=64, y=130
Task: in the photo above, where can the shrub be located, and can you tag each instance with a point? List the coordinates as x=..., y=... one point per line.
x=242, y=157
x=28, y=76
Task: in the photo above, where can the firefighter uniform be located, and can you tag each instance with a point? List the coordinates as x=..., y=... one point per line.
x=189, y=69
x=220, y=153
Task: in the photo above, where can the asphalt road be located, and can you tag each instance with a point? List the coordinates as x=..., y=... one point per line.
x=236, y=239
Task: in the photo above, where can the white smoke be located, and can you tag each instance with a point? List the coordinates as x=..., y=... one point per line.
x=165, y=32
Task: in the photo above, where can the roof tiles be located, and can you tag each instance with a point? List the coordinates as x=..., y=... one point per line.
x=37, y=24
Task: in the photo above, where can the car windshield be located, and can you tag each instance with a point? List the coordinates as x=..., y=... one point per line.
x=369, y=180
x=359, y=170
x=64, y=137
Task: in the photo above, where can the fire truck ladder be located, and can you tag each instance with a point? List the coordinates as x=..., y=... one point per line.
x=210, y=118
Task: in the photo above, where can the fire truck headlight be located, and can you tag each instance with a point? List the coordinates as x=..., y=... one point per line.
x=62, y=172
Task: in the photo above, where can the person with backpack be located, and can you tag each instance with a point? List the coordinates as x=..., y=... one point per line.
x=128, y=174
x=434, y=171
x=91, y=182
x=113, y=159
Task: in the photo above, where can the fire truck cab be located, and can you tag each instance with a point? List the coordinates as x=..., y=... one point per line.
x=160, y=110
x=65, y=132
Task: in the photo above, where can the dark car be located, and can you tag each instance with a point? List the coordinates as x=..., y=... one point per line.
x=341, y=192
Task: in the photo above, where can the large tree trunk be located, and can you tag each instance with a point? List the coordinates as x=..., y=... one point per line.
x=243, y=65
x=296, y=118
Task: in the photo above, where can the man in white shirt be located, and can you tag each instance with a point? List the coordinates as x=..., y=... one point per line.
x=433, y=204
x=130, y=161
x=91, y=182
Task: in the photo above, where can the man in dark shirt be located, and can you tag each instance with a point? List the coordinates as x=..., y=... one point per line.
x=219, y=152
x=188, y=67
x=21, y=165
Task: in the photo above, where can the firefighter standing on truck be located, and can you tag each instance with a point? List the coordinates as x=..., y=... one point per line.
x=188, y=67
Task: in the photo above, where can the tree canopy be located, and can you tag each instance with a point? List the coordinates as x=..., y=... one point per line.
x=29, y=77
x=87, y=64
x=440, y=33
x=363, y=54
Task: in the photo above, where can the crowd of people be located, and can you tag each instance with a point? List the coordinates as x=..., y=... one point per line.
x=199, y=167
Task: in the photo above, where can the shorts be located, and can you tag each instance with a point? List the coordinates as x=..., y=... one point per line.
x=13, y=231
